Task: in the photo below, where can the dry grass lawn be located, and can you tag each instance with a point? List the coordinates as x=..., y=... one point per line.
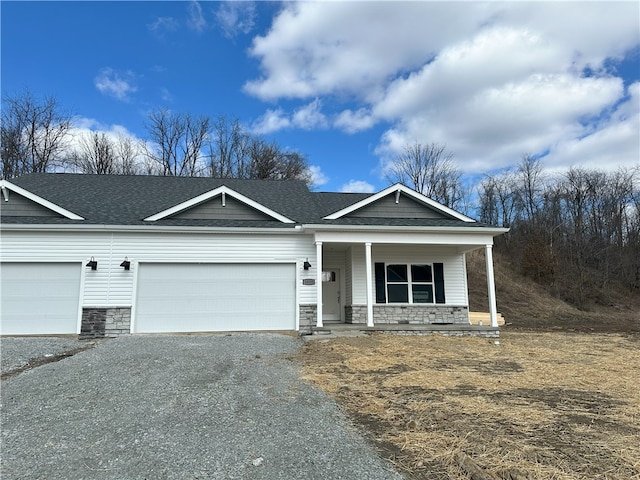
x=548, y=405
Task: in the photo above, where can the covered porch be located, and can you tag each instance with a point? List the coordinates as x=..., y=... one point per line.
x=409, y=283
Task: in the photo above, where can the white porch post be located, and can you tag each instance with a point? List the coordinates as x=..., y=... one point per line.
x=491, y=287
x=369, y=270
x=319, y=283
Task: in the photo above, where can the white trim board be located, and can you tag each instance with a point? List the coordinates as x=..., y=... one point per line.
x=398, y=187
x=6, y=185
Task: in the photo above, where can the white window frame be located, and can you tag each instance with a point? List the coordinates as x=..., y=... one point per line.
x=409, y=284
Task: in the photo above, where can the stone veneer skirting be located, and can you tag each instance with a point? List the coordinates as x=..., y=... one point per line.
x=409, y=314
x=105, y=322
x=308, y=318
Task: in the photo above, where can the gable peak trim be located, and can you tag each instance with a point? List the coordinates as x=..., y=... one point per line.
x=399, y=188
x=223, y=191
x=5, y=186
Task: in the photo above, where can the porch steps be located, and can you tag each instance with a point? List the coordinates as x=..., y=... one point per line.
x=354, y=329
x=483, y=318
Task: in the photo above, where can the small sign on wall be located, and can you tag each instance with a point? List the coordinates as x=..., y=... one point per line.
x=308, y=281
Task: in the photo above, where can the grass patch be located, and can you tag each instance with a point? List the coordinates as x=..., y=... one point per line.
x=541, y=405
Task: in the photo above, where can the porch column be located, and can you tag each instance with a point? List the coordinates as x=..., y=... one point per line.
x=367, y=249
x=491, y=287
x=319, y=283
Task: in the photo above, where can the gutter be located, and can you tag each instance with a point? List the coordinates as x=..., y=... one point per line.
x=292, y=229
x=406, y=229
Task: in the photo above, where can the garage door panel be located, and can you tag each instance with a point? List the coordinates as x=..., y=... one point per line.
x=39, y=298
x=215, y=297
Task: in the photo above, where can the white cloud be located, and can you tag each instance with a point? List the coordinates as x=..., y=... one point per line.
x=616, y=143
x=490, y=80
x=161, y=25
x=309, y=116
x=353, y=122
x=318, y=177
x=235, y=18
x=116, y=84
x=271, y=121
x=357, y=186
x=165, y=94
x=196, y=20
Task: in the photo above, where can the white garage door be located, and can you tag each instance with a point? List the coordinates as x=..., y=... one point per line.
x=39, y=298
x=215, y=297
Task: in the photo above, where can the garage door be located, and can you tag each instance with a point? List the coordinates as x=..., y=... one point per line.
x=39, y=298
x=215, y=297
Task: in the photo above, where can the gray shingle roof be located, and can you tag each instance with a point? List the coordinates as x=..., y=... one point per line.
x=127, y=200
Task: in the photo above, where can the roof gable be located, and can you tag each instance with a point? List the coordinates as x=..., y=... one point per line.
x=31, y=204
x=426, y=207
x=221, y=192
x=397, y=206
x=221, y=207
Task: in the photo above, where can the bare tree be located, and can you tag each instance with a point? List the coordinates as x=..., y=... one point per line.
x=102, y=154
x=430, y=170
x=34, y=134
x=177, y=141
x=96, y=154
x=531, y=186
x=229, y=149
x=129, y=152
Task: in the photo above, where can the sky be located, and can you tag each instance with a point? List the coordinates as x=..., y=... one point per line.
x=349, y=84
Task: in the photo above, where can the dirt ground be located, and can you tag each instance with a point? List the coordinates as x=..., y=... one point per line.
x=540, y=405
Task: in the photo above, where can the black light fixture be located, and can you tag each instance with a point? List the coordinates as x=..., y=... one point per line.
x=126, y=264
x=306, y=265
x=92, y=263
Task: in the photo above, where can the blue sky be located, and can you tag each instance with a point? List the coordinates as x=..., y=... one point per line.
x=349, y=84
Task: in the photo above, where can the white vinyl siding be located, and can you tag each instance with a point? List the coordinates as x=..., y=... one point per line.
x=39, y=298
x=453, y=263
x=215, y=297
x=111, y=285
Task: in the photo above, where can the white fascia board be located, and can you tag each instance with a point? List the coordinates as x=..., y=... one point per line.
x=39, y=200
x=452, y=239
x=214, y=193
x=398, y=187
x=144, y=229
x=400, y=230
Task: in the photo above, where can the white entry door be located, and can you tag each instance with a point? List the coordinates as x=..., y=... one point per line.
x=331, y=299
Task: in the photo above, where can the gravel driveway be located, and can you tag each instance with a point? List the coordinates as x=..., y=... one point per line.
x=177, y=407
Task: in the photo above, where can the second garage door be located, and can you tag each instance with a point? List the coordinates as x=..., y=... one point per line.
x=215, y=297
x=39, y=298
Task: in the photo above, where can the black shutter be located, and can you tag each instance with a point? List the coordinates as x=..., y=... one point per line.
x=381, y=288
x=438, y=280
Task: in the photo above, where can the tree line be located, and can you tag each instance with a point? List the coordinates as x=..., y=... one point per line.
x=37, y=136
x=577, y=232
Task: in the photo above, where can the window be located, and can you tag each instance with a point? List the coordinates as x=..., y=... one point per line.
x=409, y=283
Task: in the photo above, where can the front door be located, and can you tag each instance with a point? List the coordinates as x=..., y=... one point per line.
x=331, y=301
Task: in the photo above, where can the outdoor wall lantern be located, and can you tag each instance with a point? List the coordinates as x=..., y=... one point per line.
x=306, y=265
x=126, y=264
x=92, y=263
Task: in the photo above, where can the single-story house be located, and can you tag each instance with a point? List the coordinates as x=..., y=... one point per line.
x=109, y=255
